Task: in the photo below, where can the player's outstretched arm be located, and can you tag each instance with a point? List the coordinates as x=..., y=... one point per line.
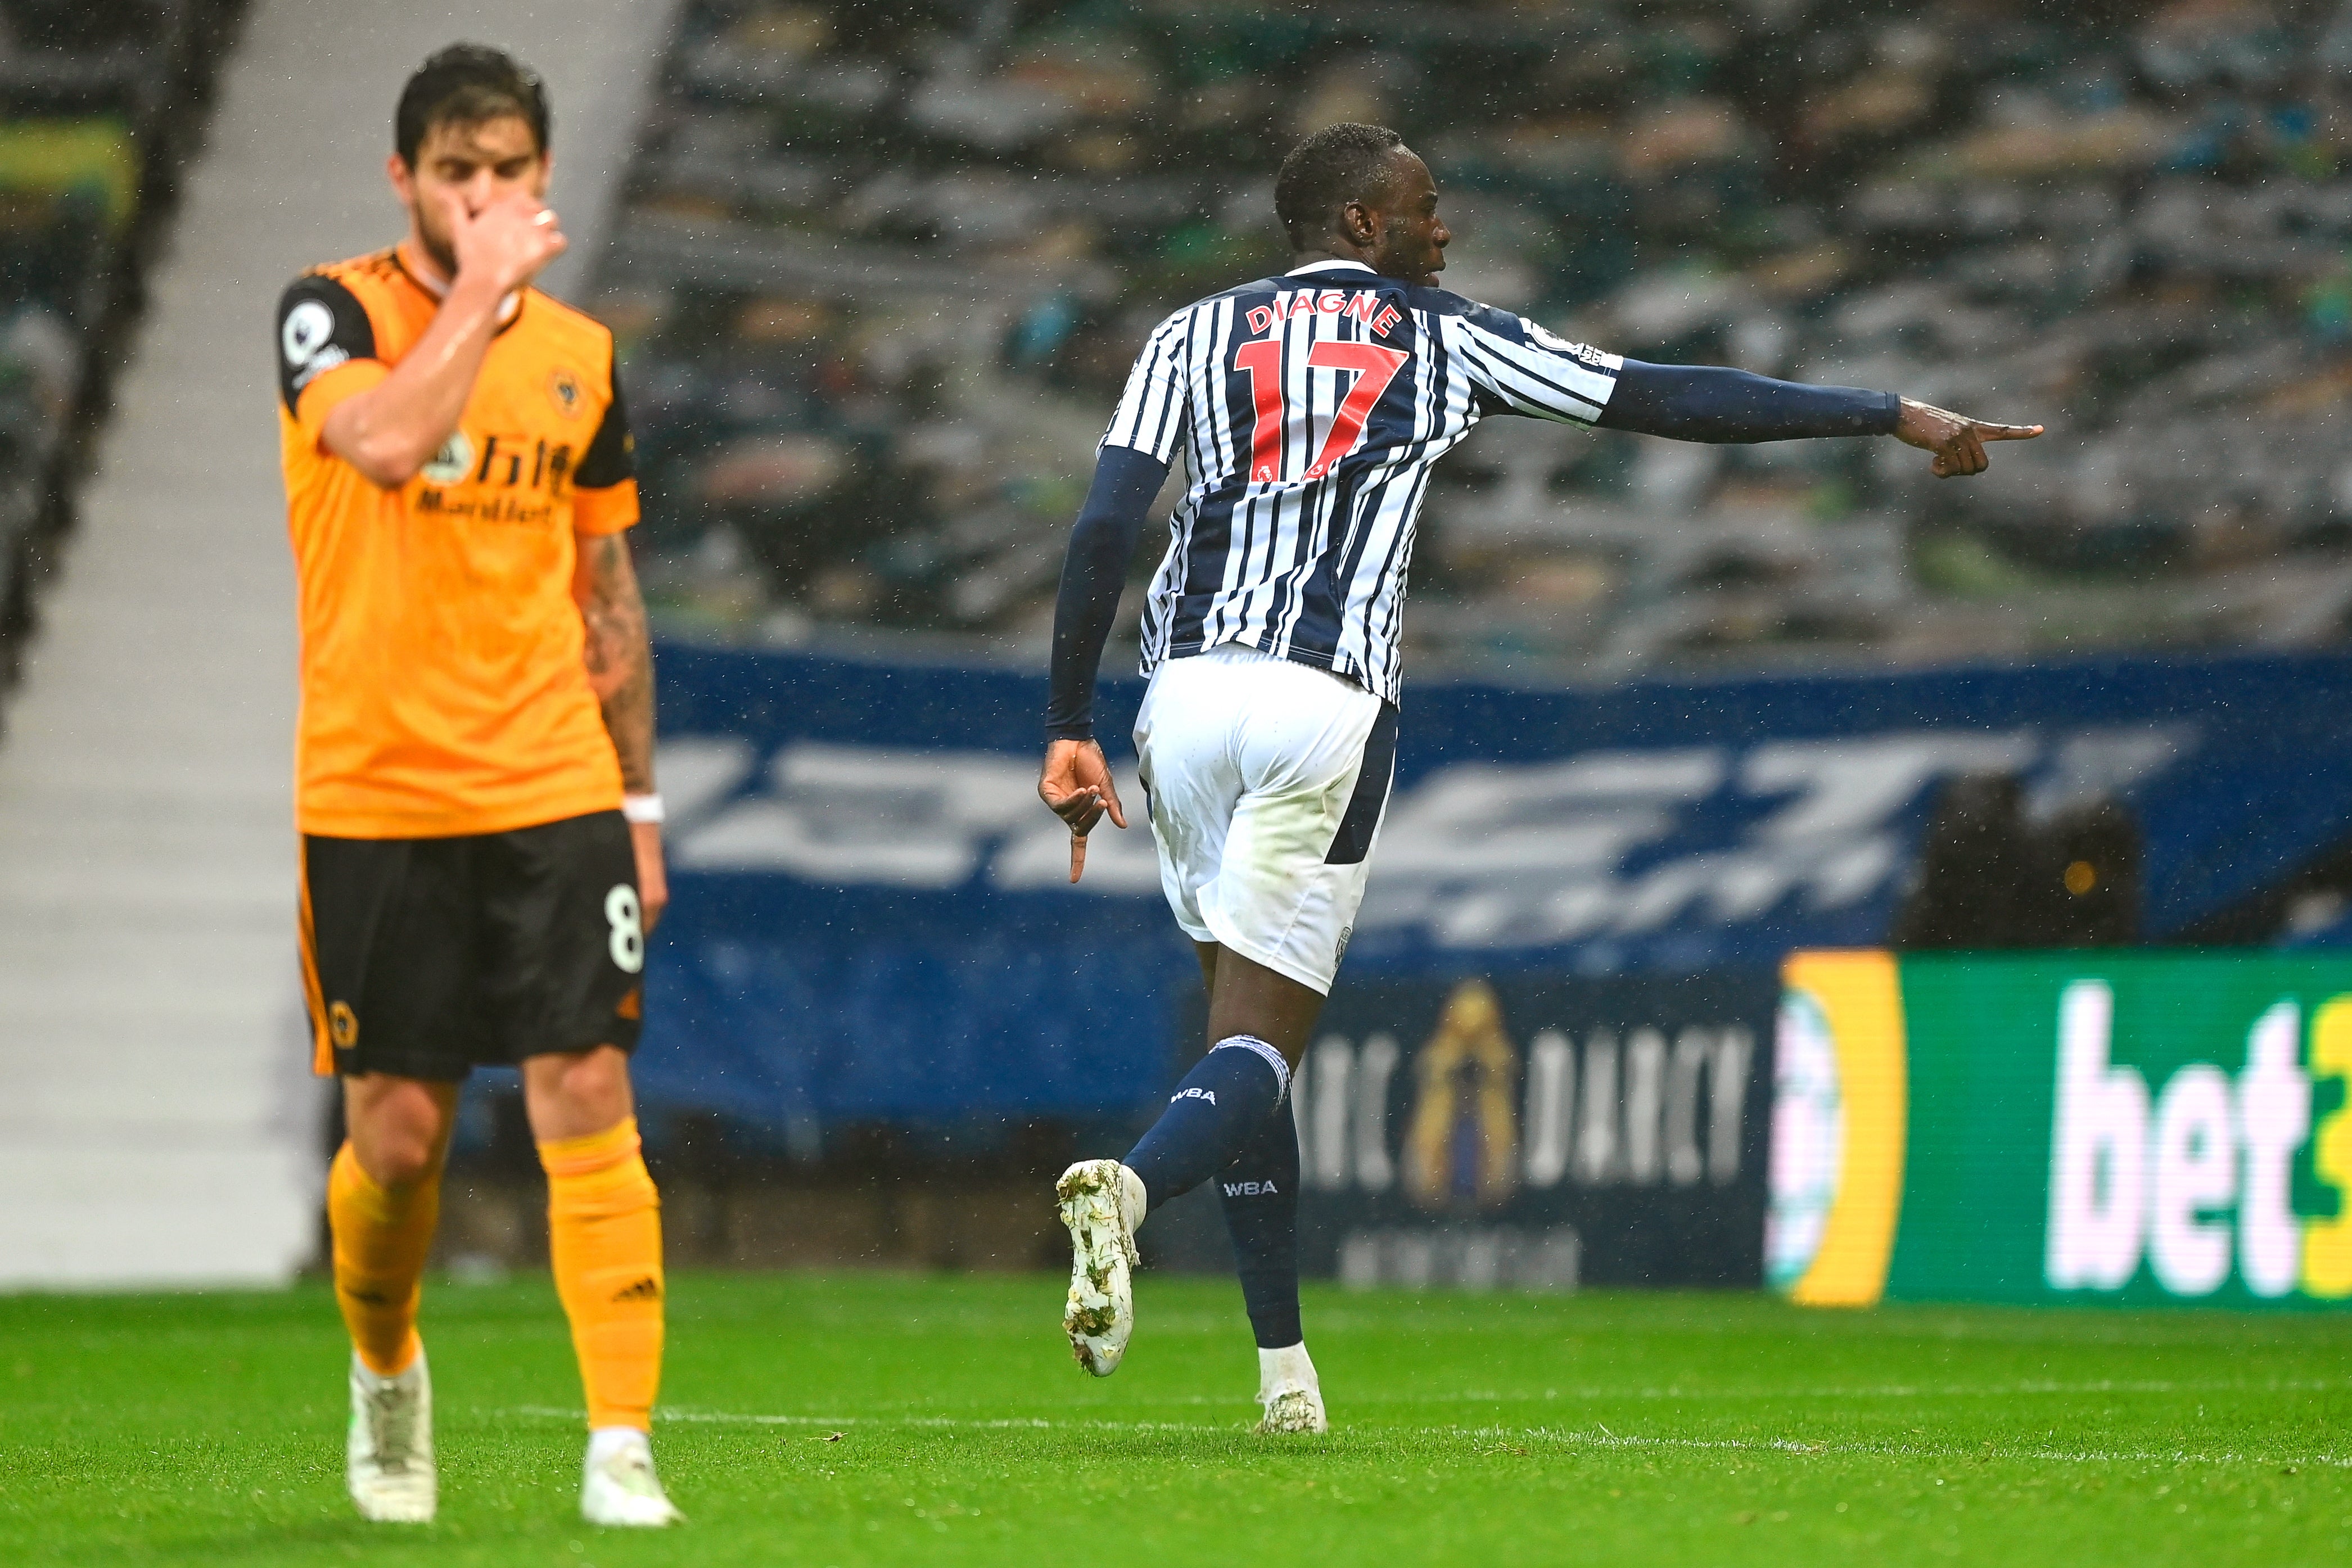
x=1956, y=440
x=392, y=429
x=620, y=658
x=1075, y=781
x=1717, y=403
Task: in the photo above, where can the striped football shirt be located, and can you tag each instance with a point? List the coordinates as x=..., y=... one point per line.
x=1310, y=408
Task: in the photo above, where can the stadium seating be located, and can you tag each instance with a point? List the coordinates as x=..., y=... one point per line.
x=98, y=107
x=882, y=268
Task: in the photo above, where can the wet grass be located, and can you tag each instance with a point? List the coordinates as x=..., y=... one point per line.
x=877, y=1419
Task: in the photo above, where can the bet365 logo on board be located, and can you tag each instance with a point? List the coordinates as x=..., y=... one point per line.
x=2141, y=1128
x=2194, y=1175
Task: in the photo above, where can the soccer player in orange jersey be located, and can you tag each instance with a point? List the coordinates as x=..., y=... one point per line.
x=481, y=838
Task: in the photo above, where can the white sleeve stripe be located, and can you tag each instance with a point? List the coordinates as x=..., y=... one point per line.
x=1561, y=370
x=1540, y=396
x=1169, y=391
x=1212, y=440
x=1151, y=413
x=1523, y=387
x=1529, y=377
x=1165, y=392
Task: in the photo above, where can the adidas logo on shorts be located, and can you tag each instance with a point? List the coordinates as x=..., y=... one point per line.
x=645, y=1289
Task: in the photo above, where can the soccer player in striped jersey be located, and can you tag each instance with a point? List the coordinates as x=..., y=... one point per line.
x=1310, y=408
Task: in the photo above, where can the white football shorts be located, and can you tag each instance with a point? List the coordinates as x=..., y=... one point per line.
x=1266, y=780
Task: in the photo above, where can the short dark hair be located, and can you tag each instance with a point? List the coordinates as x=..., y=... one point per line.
x=1337, y=164
x=468, y=84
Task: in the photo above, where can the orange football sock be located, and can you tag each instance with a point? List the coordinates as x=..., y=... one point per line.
x=604, y=1232
x=380, y=1238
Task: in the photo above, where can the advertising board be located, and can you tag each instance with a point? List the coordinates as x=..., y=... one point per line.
x=872, y=919
x=2124, y=1127
x=1538, y=1131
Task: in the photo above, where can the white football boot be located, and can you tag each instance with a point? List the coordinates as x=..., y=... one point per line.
x=618, y=1486
x=1287, y=1388
x=1102, y=1203
x=389, y=1457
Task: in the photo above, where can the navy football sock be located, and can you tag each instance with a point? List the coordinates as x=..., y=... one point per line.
x=1260, y=1193
x=1210, y=1117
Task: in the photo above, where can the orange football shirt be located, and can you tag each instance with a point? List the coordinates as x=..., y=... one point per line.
x=443, y=687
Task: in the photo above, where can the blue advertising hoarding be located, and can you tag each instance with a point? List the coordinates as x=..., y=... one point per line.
x=871, y=920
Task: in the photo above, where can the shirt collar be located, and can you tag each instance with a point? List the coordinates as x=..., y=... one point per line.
x=425, y=279
x=1334, y=261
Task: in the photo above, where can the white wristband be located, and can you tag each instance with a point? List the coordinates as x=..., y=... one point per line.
x=642, y=807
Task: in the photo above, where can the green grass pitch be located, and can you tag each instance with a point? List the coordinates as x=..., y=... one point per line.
x=891, y=1419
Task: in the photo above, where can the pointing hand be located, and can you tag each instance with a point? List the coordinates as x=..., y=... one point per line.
x=1077, y=784
x=1956, y=440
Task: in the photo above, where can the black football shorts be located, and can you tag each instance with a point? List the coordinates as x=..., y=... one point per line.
x=428, y=958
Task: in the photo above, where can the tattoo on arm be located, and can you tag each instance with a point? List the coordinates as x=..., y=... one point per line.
x=619, y=654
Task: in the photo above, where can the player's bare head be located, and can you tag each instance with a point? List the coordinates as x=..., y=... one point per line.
x=465, y=87
x=471, y=130
x=1358, y=190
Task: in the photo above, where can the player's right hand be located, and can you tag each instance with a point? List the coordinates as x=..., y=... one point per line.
x=507, y=242
x=1077, y=784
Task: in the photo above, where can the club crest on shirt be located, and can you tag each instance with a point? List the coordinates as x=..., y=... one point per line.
x=564, y=388
x=453, y=462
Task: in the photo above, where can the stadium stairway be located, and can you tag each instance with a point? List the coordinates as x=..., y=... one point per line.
x=157, y=1125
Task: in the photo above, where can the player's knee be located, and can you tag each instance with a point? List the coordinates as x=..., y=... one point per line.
x=398, y=1155
x=399, y=1129
x=405, y=1162
x=574, y=1094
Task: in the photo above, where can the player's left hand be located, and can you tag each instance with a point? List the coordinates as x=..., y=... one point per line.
x=1956, y=440
x=1077, y=784
x=652, y=877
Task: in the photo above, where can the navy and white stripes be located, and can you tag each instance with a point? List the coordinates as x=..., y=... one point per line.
x=1310, y=408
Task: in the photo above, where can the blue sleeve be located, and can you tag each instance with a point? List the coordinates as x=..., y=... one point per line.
x=1711, y=402
x=1093, y=573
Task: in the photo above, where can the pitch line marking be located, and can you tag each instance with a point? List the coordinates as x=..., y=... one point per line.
x=1485, y=1396
x=1606, y=1439
x=1887, y=1391
x=1603, y=1438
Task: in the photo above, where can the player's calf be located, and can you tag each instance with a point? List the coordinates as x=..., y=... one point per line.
x=1222, y=1104
x=1259, y=1194
x=604, y=1247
